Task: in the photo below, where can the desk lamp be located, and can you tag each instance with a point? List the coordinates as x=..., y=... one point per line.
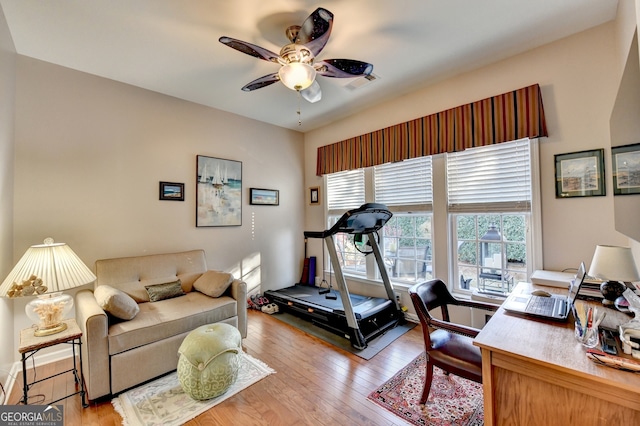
x=45, y=271
x=613, y=264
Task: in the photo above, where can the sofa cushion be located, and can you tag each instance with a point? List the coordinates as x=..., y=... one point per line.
x=116, y=302
x=132, y=274
x=164, y=291
x=213, y=283
x=166, y=318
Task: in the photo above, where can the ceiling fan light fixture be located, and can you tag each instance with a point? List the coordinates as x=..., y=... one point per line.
x=297, y=75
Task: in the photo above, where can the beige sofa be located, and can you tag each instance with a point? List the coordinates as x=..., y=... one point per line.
x=129, y=339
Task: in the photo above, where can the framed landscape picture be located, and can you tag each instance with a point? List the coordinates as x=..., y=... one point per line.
x=625, y=162
x=219, y=192
x=580, y=174
x=172, y=191
x=264, y=197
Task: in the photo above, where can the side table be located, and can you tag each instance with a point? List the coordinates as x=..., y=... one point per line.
x=30, y=345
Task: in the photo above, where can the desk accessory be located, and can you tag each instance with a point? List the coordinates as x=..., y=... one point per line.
x=609, y=345
x=45, y=271
x=586, y=324
x=630, y=331
x=613, y=264
x=613, y=361
x=552, y=278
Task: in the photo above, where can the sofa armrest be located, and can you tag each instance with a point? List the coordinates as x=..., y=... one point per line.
x=238, y=291
x=94, y=323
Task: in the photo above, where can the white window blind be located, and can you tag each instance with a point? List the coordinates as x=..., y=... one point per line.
x=345, y=190
x=405, y=183
x=490, y=178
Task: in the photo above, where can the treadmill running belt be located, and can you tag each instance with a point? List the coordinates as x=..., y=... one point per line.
x=363, y=306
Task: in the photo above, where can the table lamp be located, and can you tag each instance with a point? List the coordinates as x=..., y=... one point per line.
x=45, y=271
x=613, y=264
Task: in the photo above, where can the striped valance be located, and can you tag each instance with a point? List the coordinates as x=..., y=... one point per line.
x=503, y=118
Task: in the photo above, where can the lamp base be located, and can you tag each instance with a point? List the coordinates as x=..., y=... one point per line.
x=47, y=312
x=47, y=331
x=611, y=290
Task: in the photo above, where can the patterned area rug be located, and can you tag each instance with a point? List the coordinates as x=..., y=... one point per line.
x=452, y=400
x=163, y=402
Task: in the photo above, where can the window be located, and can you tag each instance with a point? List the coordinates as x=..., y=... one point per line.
x=407, y=247
x=481, y=221
x=405, y=188
x=345, y=191
x=491, y=251
x=490, y=208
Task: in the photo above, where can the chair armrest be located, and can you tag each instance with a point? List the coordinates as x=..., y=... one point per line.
x=478, y=305
x=455, y=328
x=94, y=324
x=239, y=292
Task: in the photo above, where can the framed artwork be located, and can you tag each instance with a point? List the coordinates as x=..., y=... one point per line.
x=219, y=192
x=625, y=162
x=580, y=174
x=314, y=195
x=264, y=197
x=172, y=191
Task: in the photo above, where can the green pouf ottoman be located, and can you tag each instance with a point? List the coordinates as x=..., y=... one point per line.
x=208, y=363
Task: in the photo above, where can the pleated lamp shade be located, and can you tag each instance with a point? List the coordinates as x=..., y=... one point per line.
x=45, y=270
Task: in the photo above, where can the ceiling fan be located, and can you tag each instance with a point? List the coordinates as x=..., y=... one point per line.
x=297, y=59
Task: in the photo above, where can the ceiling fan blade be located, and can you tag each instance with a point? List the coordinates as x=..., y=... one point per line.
x=261, y=82
x=315, y=30
x=312, y=93
x=250, y=49
x=342, y=68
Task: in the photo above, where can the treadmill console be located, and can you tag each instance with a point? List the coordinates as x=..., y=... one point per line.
x=367, y=218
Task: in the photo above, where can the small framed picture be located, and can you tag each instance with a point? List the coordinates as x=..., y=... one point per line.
x=172, y=191
x=580, y=174
x=625, y=162
x=314, y=195
x=264, y=197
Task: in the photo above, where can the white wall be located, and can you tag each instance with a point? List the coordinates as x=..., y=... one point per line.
x=7, y=99
x=579, y=79
x=90, y=153
x=624, y=125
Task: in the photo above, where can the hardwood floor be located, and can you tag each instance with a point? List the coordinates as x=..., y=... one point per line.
x=315, y=383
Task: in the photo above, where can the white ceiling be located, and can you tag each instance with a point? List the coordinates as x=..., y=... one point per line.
x=171, y=46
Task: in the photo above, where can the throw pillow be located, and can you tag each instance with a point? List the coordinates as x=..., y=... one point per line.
x=164, y=291
x=116, y=302
x=213, y=283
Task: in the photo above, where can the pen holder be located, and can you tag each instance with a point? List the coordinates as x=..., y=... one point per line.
x=587, y=336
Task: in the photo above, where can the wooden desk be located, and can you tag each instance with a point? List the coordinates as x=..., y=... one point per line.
x=536, y=373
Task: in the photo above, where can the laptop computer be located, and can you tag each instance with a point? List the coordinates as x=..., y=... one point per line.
x=556, y=307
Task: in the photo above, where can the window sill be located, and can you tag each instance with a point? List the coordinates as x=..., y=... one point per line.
x=364, y=280
x=403, y=287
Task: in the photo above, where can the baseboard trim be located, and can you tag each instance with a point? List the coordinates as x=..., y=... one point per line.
x=38, y=360
x=411, y=317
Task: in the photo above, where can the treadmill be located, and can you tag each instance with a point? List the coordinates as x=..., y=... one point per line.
x=357, y=318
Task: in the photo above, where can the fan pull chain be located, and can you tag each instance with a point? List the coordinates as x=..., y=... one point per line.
x=299, y=103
